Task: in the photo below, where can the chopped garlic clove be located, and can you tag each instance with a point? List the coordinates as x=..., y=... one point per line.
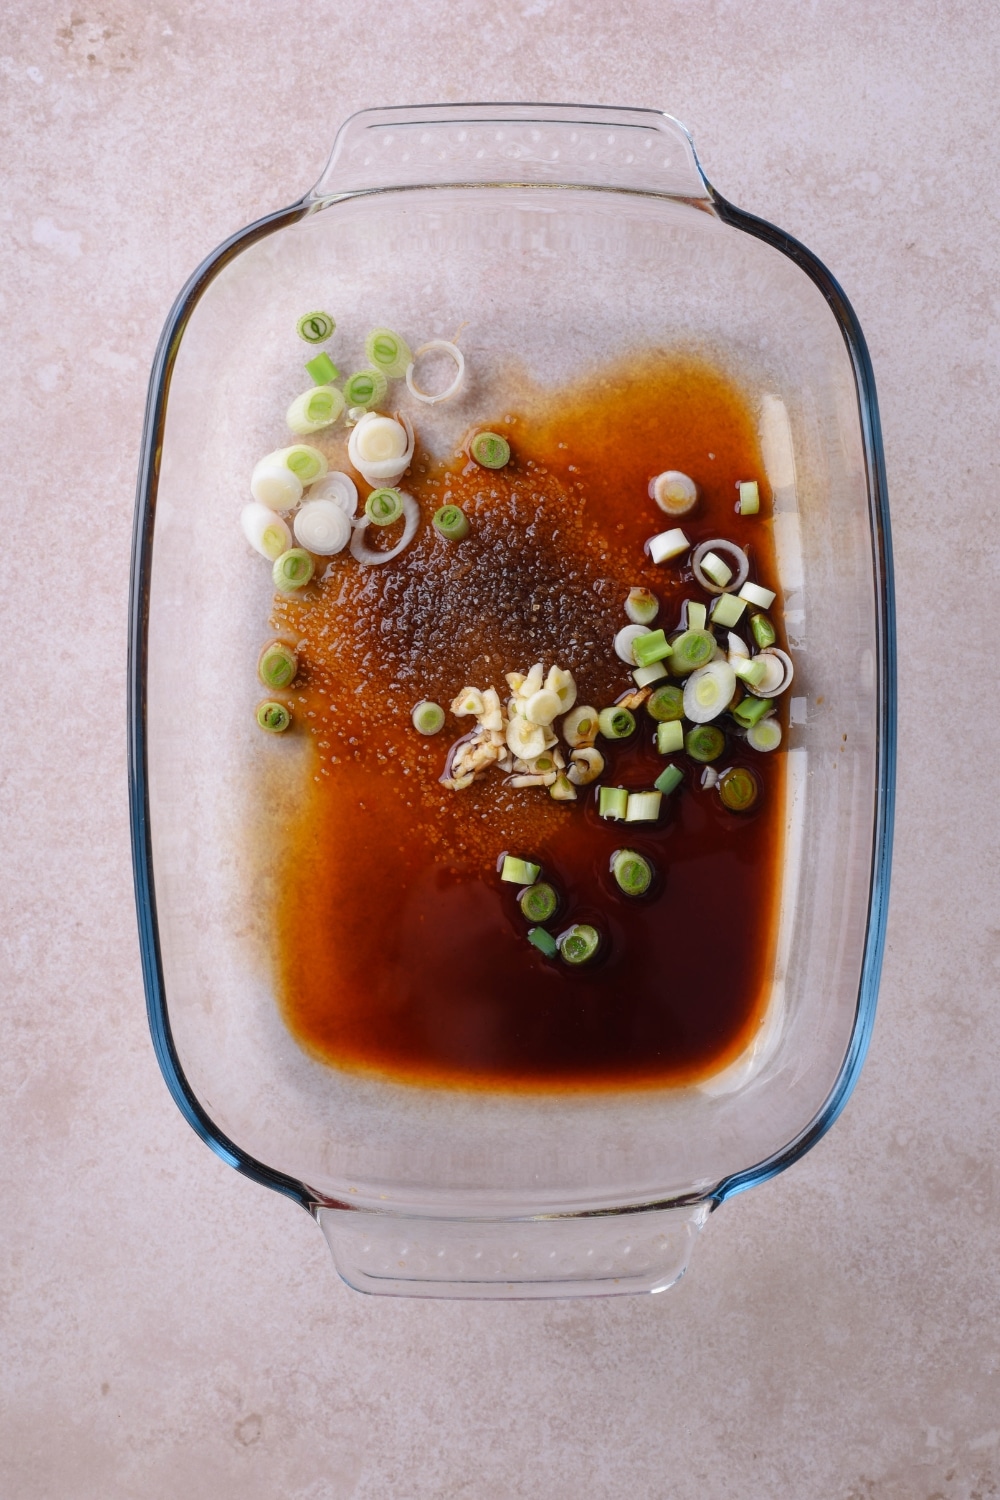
x=526, y=740
x=492, y=715
x=587, y=765
x=514, y=680
x=564, y=684
x=542, y=707
x=469, y=701
x=562, y=789
x=531, y=684
x=539, y=780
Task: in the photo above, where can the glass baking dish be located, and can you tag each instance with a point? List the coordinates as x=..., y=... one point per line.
x=580, y=232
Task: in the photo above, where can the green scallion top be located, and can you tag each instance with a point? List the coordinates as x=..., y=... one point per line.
x=292, y=570
x=579, y=944
x=616, y=723
x=315, y=327
x=274, y=717
x=277, y=666
x=387, y=352
x=705, y=743
x=322, y=369
x=384, y=506
x=738, y=789
x=691, y=649
x=666, y=703
x=365, y=388
x=633, y=873
x=538, y=902
x=451, y=522
x=490, y=450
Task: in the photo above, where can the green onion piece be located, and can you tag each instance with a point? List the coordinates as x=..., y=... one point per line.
x=765, y=736
x=616, y=723
x=738, y=789
x=612, y=802
x=651, y=647
x=632, y=872
x=669, y=779
x=490, y=450
x=579, y=944
x=519, y=871
x=642, y=606
x=538, y=902
x=692, y=649
x=749, y=503
x=644, y=807
x=451, y=522
x=727, y=610
x=543, y=941
x=666, y=703
x=670, y=737
x=763, y=631
x=278, y=665
x=667, y=544
x=705, y=742
x=306, y=463
x=274, y=717
x=428, y=717
x=697, y=615
x=750, y=711
x=365, y=388
x=384, y=506
x=315, y=409
x=716, y=568
x=387, y=352
x=322, y=369
x=750, y=669
x=292, y=570
x=315, y=327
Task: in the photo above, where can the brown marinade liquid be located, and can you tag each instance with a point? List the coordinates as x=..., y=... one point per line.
x=399, y=950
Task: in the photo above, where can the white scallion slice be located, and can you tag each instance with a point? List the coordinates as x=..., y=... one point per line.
x=624, y=639
x=727, y=609
x=322, y=527
x=727, y=553
x=754, y=594
x=737, y=647
x=381, y=448
x=714, y=568
x=697, y=615
x=445, y=347
x=338, y=487
x=315, y=409
x=708, y=691
x=674, y=492
x=264, y=529
x=749, y=501
x=643, y=676
x=366, y=556
x=667, y=544
x=273, y=484
x=765, y=734
x=642, y=606
x=778, y=673
x=643, y=807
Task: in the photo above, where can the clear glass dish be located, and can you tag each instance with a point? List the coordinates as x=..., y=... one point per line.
x=585, y=231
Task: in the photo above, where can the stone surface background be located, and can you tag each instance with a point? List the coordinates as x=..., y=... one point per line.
x=172, y=1330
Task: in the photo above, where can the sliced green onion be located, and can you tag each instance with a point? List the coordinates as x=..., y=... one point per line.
x=765, y=736
x=669, y=779
x=751, y=670
x=697, y=615
x=644, y=807
x=315, y=327
x=612, y=802
x=323, y=370
x=749, y=501
x=717, y=576
x=428, y=717
x=667, y=702
x=709, y=692
x=633, y=873
x=490, y=450
x=266, y=532
x=755, y=594
x=616, y=723
x=384, y=506
x=579, y=944
x=274, y=717
x=713, y=566
x=365, y=388
x=543, y=941
x=705, y=743
x=667, y=544
x=451, y=522
x=519, y=871
x=305, y=462
x=642, y=606
x=625, y=639
x=643, y=676
x=580, y=726
x=738, y=789
x=763, y=631
x=749, y=711
x=292, y=570
x=670, y=737
x=387, y=352
x=674, y=492
x=538, y=902
x=277, y=665
x=315, y=409
x=692, y=649
x=778, y=673
x=653, y=646
x=727, y=610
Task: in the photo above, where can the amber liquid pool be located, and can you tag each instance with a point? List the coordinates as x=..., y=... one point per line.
x=399, y=950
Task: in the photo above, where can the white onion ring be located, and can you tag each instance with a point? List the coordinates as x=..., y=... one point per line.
x=719, y=544
x=386, y=470
x=456, y=355
x=766, y=688
x=322, y=527
x=365, y=556
x=338, y=487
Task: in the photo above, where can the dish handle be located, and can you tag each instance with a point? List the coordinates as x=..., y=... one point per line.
x=558, y=145
x=581, y=1255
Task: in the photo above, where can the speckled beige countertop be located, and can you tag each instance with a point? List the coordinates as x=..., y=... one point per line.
x=170, y=1329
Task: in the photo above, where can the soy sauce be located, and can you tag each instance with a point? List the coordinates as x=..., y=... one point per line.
x=398, y=949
